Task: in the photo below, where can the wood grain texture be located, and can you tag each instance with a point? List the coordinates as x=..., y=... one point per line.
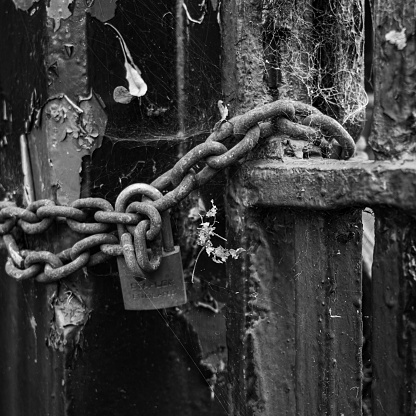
x=289, y=352
x=394, y=321
x=394, y=66
x=294, y=322
x=329, y=184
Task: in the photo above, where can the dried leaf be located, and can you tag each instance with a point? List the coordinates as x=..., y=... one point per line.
x=223, y=110
x=121, y=95
x=236, y=253
x=137, y=86
x=220, y=254
x=103, y=10
x=213, y=211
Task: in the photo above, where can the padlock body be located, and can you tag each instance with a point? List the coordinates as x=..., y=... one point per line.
x=164, y=288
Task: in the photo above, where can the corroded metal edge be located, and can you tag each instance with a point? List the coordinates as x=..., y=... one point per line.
x=329, y=184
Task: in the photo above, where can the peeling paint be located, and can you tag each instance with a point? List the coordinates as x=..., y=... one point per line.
x=24, y=5
x=70, y=317
x=58, y=10
x=74, y=130
x=28, y=186
x=33, y=324
x=397, y=38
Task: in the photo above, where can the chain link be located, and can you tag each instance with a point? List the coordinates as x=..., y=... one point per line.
x=140, y=222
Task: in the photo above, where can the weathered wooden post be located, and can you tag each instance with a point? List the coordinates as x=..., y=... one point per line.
x=294, y=322
x=393, y=139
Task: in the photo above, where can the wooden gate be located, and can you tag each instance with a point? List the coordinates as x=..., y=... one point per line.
x=280, y=331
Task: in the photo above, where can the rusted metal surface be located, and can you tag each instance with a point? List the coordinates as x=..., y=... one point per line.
x=326, y=184
x=393, y=323
x=394, y=75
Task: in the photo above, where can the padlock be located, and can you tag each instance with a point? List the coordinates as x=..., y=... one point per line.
x=144, y=290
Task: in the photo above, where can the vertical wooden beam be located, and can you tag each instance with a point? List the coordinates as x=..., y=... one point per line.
x=393, y=137
x=243, y=67
x=294, y=317
x=394, y=321
x=295, y=327
x=309, y=50
x=338, y=37
x=394, y=66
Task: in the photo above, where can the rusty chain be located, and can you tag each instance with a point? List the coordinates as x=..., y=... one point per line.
x=297, y=120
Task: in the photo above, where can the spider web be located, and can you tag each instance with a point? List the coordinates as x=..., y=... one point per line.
x=145, y=137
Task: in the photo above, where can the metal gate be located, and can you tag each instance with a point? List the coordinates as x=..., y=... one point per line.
x=280, y=330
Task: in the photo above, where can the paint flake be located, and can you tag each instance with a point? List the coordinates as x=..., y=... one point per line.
x=397, y=38
x=58, y=10
x=137, y=86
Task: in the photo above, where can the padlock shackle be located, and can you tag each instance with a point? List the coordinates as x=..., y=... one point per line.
x=167, y=236
x=125, y=237
x=148, y=192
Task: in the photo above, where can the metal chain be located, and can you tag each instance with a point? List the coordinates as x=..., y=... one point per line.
x=298, y=120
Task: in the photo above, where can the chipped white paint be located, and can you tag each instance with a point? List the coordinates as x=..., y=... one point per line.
x=397, y=38
x=28, y=185
x=58, y=10
x=33, y=324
